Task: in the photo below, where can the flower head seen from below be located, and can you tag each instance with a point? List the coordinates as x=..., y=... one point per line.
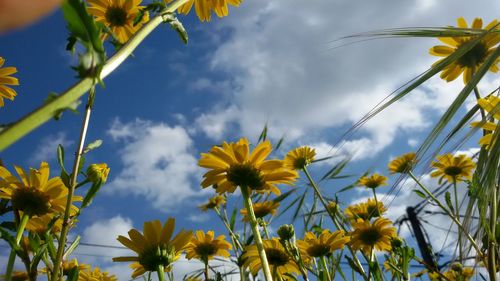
x=204, y=246
x=6, y=79
x=403, y=164
x=453, y=168
x=35, y=194
x=365, y=211
x=155, y=247
x=96, y=275
x=299, y=158
x=204, y=7
x=213, y=202
x=368, y=236
x=372, y=181
x=118, y=16
x=98, y=173
x=464, y=274
x=233, y=165
x=324, y=244
x=261, y=209
x=491, y=105
x=45, y=223
x=278, y=258
x=472, y=59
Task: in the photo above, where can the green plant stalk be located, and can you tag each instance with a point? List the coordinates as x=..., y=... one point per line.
x=492, y=243
x=325, y=268
x=256, y=233
x=161, y=273
x=234, y=239
x=325, y=205
x=46, y=112
x=457, y=211
x=12, y=256
x=206, y=270
x=71, y=189
x=264, y=227
x=452, y=216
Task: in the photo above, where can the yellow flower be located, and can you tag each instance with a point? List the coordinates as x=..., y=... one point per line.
x=490, y=104
x=463, y=275
x=403, y=164
x=453, y=168
x=214, y=202
x=204, y=7
x=118, y=16
x=365, y=211
x=332, y=207
x=472, y=59
x=261, y=209
x=368, y=236
x=35, y=194
x=6, y=79
x=233, y=165
x=18, y=276
x=98, y=173
x=277, y=257
x=154, y=247
x=69, y=265
x=204, y=247
x=96, y=275
x=372, y=181
x=299, y=158
x=324, y=245
x=40, y=224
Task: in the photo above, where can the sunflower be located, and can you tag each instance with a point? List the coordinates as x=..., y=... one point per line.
x=213, y=202
x=403, y=164
x=6, y=79
x=472, y=59
x=365, y=211
x=35, y=194
x=96, y=275
x=278, y=258
x=372, y=181
x=299, y=158
x=204, y=247
x=453, y=168
x=324, y=245
x=491, y=105
x=118, y=16
x=261, y=209
x=368, y=236
x=154, y=248
x=204, y=7
x=233, y=165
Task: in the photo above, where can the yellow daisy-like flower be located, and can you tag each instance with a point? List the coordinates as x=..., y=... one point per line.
x=472, y=59
x=490, y=104
x=365, y=211
x=403, y=164
x=261, y=209
x=372, y=181
x=6, y=79
x=299, y=157
x=98, y=173
x=277, y=257
x=96, y=275
x=204, y=247
x=332, y=207
x=464, y=275
x=154, y=247
x=368, y=236
x=40, y=224
x=214, y=202
x=233, y=165
x=324, y=245
x=453, y=168
x=204, y=7
x=35, y=194
x=118, y=16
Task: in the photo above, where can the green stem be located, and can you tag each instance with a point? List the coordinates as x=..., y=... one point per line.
x=325, y=268
x=234, y=239
x=206, y=270
x=332, y=216
x=161, y=273
x=45, y=112
x=12, y=256
x=256, y=233
x=452, y=216
x=492, y=245
x=457, y=211
x=264, y=227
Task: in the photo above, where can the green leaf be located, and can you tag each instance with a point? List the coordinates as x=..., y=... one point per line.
x=39, y=253
x=335, y=170
x=420, y=193
x=81, y=24
x=353, y=265
x=93, y=145
x=91, y=194
x=263, y=134
x=447, y=197
x=58, y=113
x=280, y=142
x=171, y=19
x=73, y=274
x=72, y=247
x=284, y=195
x=233, y=219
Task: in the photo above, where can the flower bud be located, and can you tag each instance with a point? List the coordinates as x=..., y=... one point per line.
x=98, y=173
x=456, y=266
x=396, y=242
x=286, y=232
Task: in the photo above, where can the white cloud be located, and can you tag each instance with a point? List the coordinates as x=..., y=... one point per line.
x=47, y=148
x=158, y=163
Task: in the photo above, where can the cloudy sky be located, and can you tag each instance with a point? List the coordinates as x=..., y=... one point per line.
x=270, y=62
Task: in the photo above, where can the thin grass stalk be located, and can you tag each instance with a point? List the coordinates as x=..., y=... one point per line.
x=12, y=256
x=492, y=244
x=256, y=233
x=325, y=268
x=457, y=211
x=234, y=239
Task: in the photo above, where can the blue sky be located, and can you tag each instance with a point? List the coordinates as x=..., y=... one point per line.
x=268, y=62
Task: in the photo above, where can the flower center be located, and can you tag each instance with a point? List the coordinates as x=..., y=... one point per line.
x=453, y=171
x=276, y=257
x=373, y=211
x=245, y=175
x=300, y=163
x=206, y=249
x=372, y=183
x=318, y=250
x=116, y=16
x=370, y=236
x=152, y=257
x=261, y=212
x=31, y=201
x=474, y=56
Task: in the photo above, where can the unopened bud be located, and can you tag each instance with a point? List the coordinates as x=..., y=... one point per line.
x=286, y=232
x=396, y=242
x=98, y=173
x=456, y=266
